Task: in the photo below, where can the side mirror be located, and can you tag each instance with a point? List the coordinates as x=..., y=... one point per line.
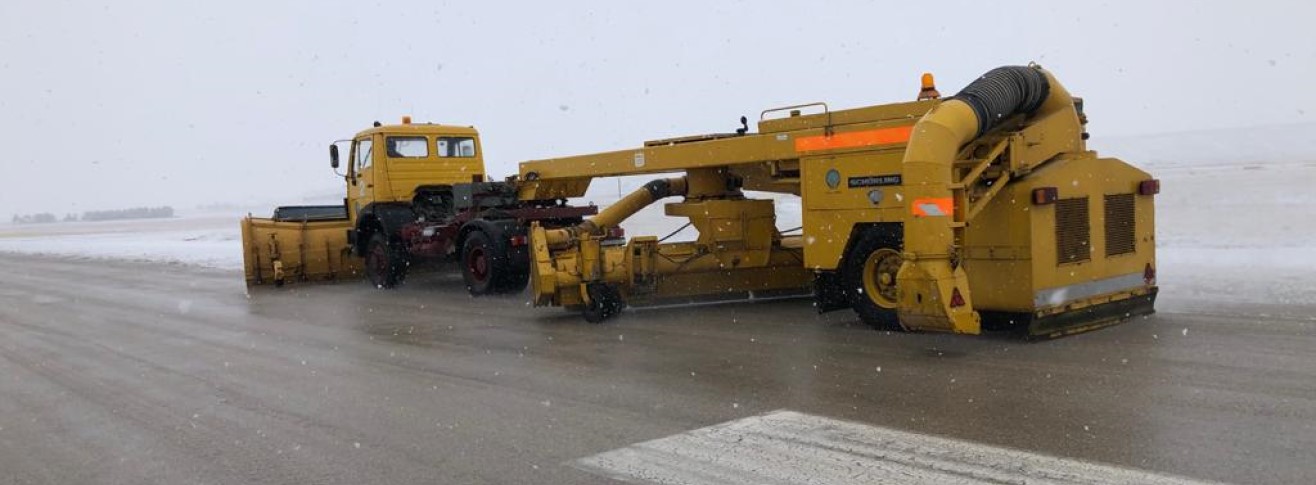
x=333, y=156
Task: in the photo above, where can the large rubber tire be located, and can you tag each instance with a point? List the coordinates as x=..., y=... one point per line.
x=485, y=268
x=516, y=280
x=869, y=279
x=386, y=261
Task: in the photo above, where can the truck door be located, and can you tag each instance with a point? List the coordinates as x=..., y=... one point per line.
x=362, y=191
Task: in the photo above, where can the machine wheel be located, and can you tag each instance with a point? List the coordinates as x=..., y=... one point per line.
x=515, y=282
x=484, y=270
x=870, y=279
x=604, y=302
x=386, y=262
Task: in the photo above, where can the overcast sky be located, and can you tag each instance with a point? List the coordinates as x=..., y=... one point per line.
x=124, y=103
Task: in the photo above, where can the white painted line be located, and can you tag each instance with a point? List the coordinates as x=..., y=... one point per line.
x=787, y=447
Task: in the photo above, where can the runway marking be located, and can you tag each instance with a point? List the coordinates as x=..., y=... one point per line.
x=788, y=447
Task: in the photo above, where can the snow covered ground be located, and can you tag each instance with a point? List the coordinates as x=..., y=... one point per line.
x=209, y=239
x=1231, y=227
x=1236, y=216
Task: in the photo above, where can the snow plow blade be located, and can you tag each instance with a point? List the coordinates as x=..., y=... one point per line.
x=1100, y=313
x=299, y=244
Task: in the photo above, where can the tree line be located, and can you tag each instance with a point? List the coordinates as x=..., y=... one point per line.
x=105, y=215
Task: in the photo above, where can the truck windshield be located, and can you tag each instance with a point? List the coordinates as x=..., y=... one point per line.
x=456, y=146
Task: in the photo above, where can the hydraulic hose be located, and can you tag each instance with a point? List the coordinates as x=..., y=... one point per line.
x=635, y=201
x=1004, y=92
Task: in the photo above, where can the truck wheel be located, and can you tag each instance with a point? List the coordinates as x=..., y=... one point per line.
x=515, y=282
x=386, y=263
x=604, y=302
x=870, y=279
x=482, y=267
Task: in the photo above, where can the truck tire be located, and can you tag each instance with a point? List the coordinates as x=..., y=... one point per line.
x=605, y=302
x=515, y=282
x=386, y=261
x=869, y=277
x=484, y=269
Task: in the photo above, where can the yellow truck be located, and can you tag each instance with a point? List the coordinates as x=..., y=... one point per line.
x=943, y=215
x=414, y=191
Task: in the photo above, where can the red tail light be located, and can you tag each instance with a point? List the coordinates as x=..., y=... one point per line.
x=518, y=240
x=1149, y=187
x=1149, y=274
x=616, y=232
x=1045, y=195
x=956, y=300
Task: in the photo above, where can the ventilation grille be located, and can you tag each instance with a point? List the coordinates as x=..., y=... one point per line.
x=1072, y=233
x=1119, y=224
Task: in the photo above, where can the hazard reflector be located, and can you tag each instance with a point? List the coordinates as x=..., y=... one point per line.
x=933, y=207
x=956, y=299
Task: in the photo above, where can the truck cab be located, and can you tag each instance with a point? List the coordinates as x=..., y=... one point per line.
x=389, y=164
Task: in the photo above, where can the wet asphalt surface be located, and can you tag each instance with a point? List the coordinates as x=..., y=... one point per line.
x=147, y=373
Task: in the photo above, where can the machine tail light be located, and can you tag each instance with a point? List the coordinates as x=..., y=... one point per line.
x=518, y=240
x=1149, y=274
x=1045, y=195
x=1149, y=187
x=616, y=232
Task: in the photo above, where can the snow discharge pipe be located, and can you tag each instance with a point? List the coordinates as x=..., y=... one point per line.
x=617, y=212
x=934, y=289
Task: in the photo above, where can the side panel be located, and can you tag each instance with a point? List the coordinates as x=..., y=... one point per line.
x=406, y=174
x=1063, y=275
x=998, y=252
x=840, y=191
x=1013, y=248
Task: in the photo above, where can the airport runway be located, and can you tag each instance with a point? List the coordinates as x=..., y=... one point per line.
x=118, y=372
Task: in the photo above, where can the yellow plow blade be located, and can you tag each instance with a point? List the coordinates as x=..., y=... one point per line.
x=278, y=252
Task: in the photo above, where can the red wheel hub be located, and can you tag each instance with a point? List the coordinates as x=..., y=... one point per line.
x=478, y=264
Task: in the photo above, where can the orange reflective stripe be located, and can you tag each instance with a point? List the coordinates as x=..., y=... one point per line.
x=933, y=207
x=881, y=136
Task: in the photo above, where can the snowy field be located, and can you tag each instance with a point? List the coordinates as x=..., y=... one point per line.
x=1231, y=227
x=200, y=239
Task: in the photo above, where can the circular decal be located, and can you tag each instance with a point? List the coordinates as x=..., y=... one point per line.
x=833, y=178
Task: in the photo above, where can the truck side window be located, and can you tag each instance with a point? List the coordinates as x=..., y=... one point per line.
x=363, y=154
x=456, y=146
x=407, y=147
